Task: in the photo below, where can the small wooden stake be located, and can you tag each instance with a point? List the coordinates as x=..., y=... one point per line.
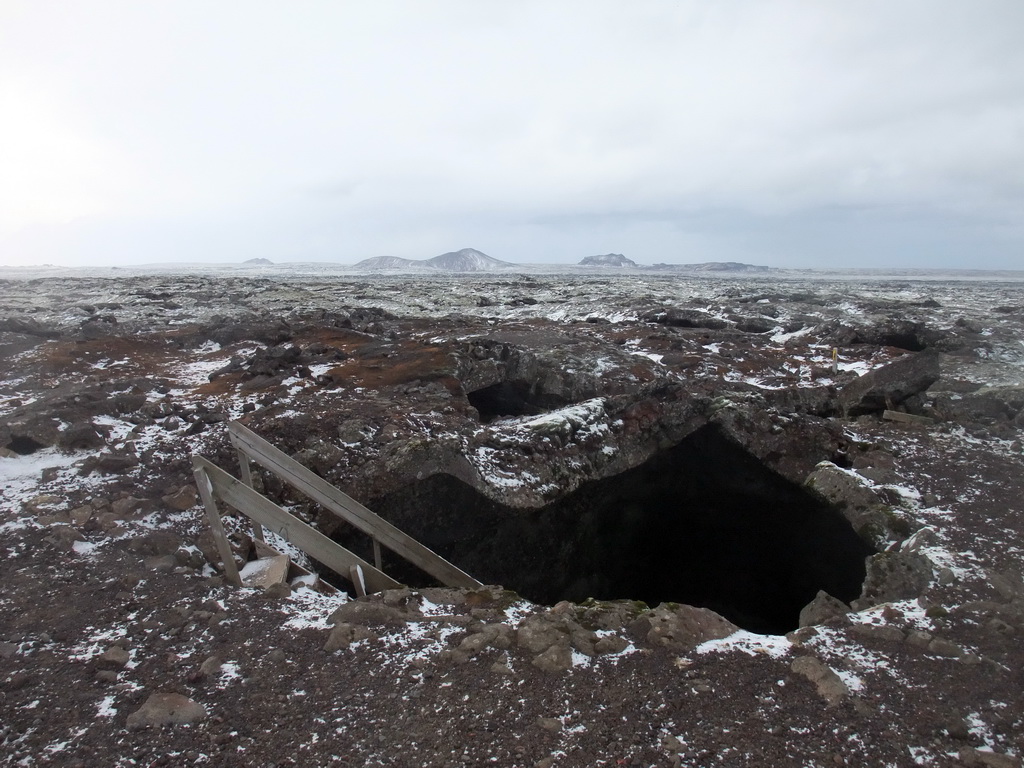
x=355, y=573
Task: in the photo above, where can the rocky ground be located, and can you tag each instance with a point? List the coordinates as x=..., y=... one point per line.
x=830, y=547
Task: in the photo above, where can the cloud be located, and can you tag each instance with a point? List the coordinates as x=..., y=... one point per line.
x=359, y=129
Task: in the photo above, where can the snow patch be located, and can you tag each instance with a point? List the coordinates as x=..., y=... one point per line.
x=752, y=644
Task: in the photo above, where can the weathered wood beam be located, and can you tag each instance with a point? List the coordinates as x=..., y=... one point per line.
x=907, y=418
x=206, y=493
x=265, y=512
x=347, y=508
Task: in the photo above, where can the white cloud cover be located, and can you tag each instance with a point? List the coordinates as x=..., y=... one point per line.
x=792, y=133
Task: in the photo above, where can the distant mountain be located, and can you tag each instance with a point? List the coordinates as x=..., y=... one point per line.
x=467, y=260
x=388, y=262
x=713, y=266
x=608, y=260
x=258, y=261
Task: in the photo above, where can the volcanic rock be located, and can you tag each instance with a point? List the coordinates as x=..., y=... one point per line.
x=890, y=385
x=344, y=634
x=557, y=658
x=115, y=657
x=166, y=709
x=894, y=576
x=830, y=686
x=683, y=627
x=822, y=608
x=184, y=498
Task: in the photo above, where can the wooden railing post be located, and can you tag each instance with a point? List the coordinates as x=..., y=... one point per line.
x=220, y=538
x=376, y=554
x=246, y=470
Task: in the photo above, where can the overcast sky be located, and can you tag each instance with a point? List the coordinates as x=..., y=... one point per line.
x=804, y=133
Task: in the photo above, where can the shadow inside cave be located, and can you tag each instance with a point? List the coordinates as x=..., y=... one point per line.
x=512, y=398
x=704, y=523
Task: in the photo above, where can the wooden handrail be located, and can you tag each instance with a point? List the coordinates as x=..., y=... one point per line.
x=215, y=483
x=348, y=509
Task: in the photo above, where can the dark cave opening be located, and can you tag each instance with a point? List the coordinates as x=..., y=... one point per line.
x=512, y=398
x=908, y=340
x=24, y=446
x=703, y=523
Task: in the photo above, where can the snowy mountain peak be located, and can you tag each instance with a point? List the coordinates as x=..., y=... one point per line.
x=388, y=262
x=467, y=260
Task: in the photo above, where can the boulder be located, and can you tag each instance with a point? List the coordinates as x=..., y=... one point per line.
x=184, y=498
x=29, y=433
x=682, y=627
x=987, y=405
x=79, y=437
x=882, y=633
x=557, y=658
x=498, y=636
x=155, y=543
x=115, y=657
x=344, y=634
x=539, y=632
x=1008, y=584
x=822, y=608
x=843, y=489
x=894, y=576
x=364, y=612
x=265, y=571
x=678, y=317
x=850, y=493
x=166, y=709
x=890, y=385
x=829, y=685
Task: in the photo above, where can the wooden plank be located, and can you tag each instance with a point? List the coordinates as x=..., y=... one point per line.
x=246, y=470
x=907, y=418
x=289, y=527
x=347, y=508
x=220, y=538
x=376, y=555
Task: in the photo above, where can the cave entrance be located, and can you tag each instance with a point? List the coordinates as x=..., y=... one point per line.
x=704, y=523
x=24, y=446
x=512, y=398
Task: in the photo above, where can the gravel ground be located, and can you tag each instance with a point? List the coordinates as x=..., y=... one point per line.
x=120, y=643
